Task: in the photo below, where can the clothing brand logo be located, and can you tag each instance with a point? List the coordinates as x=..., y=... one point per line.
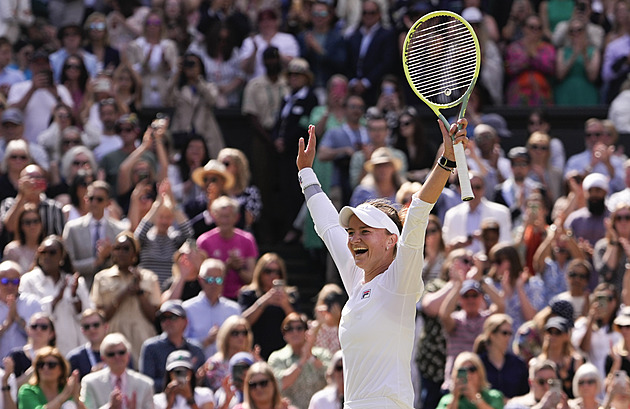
x=366, y=294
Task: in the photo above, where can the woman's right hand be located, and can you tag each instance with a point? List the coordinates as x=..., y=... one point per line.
x=306, y=155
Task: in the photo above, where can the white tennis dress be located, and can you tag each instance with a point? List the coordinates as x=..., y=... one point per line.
x=378, y=321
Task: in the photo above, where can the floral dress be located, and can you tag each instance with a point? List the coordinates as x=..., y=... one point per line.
x=529, y=78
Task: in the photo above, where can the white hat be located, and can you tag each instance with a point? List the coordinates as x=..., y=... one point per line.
x=472, y=15
x=369, y=215
x=595, y=180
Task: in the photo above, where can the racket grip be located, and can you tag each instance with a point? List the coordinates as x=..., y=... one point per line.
x=462, y=172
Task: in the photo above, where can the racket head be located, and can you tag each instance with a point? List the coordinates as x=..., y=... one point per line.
x=441, y=59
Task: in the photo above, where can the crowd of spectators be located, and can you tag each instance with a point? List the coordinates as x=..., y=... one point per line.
x=131, y=275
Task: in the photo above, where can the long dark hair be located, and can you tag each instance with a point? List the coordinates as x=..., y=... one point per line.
x=29, y=208
x=184, y=169
x=83, y=178
x=65, y=266
x=214, y=46
x=83, y=78
x=202, y=68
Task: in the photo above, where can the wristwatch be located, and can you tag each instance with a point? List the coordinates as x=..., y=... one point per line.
x=447, y=163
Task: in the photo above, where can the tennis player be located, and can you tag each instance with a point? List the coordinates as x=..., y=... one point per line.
x=380, y=263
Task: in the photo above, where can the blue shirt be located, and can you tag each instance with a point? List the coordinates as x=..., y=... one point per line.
x=10, y=76
x=202, y=316
x=153, y=356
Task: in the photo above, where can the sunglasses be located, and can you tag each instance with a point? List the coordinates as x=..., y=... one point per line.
x=322, y=13
x=554, y=331
x=94, y=325
x=471, y=294
x=168, y=317
x=534, y=27
x=7, y=281
x=190, y=63
x=154, y=22
x=20, y=157
x=595, y=134
x=467, y=261
x=68, y=142
x=295, y=328
x=236, y=333
x=73, y=66
x=539, y=147
x=212, y=179
x=432, y=231
x=122, y=248
x=43, y=327
x=49, y=364
x=31, y=222
x=98, y=199
x=560, y=250
x=80, y=163
x=114, y=353
x=126, y=129
x=338, y=368
x=573, y=274
x=587, y=382
x=213, y=280
x=97, y=26
x=271, y=271
x=622, y=217
x=370, y=12
x=469, y=369
x=259, y=384
x=576, y=30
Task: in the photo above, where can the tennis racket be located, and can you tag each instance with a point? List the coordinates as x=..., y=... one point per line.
x=441, y=59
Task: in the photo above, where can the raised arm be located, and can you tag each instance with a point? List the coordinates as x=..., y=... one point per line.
x=432, y=188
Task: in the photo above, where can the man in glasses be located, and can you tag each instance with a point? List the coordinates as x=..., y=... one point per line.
x=87, y=358
x=12, y=129
x=15, y=309
x=462, y=327
x=155, y=350
x=542, y=394
x=207, y=311
x=116, y=386
x=89, y=238
x=598, y=157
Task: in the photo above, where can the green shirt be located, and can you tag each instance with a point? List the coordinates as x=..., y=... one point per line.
x=32, y=397
x=492, y=397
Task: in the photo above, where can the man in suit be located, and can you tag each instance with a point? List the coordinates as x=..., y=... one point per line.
x=370, y=51
x=89, y=238
x=462, y=223
x=87, y=357
x=116, y=386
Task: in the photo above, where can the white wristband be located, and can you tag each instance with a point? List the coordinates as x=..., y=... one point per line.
x=307, y=177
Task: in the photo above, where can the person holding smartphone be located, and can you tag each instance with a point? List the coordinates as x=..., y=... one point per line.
x=470, y=387
x=180, y=381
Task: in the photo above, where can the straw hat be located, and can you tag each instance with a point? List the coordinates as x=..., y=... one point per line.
x=382, y=155
x=213, y=167
x=300, y=66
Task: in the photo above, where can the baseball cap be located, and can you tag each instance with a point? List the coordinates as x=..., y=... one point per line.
x=468, y=285
x=174, y=307
x=178, y=359
x=13, y=115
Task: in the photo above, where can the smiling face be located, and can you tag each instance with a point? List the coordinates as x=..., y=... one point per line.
x=372, y=249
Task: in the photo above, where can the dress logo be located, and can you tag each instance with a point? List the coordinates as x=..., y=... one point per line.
x=366, y=294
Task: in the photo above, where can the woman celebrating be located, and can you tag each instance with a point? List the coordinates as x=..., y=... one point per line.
x=378, y=267
x=610, y=255
x=50, y=387
x=128, y=295
x=266, y=305
x=180, y=391
x=470, y=386
x=235, y=335
x=16, y=156
x=41, y=333
x=299, y=366
x=505, y=371
x=261, y=389
x=587, y=384
x=61, y=291
x=30, y=234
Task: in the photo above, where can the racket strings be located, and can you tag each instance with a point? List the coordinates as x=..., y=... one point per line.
x=441, y=59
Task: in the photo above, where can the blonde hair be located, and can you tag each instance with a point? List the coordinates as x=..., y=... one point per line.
x=224, y=333
x=265, y=369
x=242, y=175
x=473, y=358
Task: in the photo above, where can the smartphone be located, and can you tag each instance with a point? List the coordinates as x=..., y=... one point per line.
x=555, y=385
x=462, y=375
x=389, y=89
x=279, y=284
x=602, y=300
x=620, y=377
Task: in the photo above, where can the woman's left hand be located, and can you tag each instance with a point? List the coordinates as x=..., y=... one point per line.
x=306, y=156
x=460, y=137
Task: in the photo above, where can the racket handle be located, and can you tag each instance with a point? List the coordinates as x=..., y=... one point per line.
x=462, y=172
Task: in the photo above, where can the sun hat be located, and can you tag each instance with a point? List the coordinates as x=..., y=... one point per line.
x=213, y=167
x=369, y=215
x=382, y=155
